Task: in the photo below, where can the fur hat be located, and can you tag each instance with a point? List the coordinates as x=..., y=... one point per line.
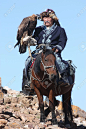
x=49, y=13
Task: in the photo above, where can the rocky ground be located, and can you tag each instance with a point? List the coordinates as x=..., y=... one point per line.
x=20, y=111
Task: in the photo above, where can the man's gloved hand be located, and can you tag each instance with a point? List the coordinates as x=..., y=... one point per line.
x=30, y=40
x=56, y=50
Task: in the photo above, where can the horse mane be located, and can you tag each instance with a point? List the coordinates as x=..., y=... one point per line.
x=49, y=51
x=38, y=60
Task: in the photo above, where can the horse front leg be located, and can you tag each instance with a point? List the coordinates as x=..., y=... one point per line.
x=41, y=105
x=52, y=107
x=47, y=111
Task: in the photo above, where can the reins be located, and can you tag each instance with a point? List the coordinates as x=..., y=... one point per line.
x=45, y=72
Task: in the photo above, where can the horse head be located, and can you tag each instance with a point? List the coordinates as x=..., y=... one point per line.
x=48, y=63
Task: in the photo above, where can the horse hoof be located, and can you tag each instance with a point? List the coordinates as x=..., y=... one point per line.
x=42, y=118
x=67, y=126
x=73, y=125
x=54, y=122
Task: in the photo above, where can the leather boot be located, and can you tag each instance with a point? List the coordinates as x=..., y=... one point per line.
x=24, y=80
x=29, y=83
x=29, y=76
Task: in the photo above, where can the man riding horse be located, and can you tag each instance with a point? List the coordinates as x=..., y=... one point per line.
x=52, y=33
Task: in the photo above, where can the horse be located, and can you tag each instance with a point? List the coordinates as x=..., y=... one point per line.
x=44, y=80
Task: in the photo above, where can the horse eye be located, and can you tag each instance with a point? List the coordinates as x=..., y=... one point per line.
x=45, y=60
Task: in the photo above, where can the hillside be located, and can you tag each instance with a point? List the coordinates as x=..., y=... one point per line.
x=20, y=111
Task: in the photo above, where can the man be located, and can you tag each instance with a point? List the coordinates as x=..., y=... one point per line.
x=52, y=33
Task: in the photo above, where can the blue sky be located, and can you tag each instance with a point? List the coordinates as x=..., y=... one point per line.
x=72, y=17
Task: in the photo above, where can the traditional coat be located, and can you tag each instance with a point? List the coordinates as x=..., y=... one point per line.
x=56, y=36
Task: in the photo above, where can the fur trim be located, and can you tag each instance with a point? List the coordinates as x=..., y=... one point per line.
x=49, y=13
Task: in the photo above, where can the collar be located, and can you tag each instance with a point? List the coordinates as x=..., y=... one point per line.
x=45, y=28
x=48, y=32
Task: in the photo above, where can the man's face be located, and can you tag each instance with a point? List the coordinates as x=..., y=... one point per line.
x=48, y=21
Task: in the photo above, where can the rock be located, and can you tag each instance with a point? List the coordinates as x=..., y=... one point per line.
x=42, y=125
x=10, y=91
x=36, y=127
x=3, y=116
x=26, y=126
x=3, y=122
x=79, y=120
x=14, y=100
x=53, y=127
x=29, y=97
x=23, y=117
x=7, y=100
x=1, y=101
x=36, y=105
x=30, y=126
x=1, y=109
x=14, y=125
x=84, y=123
x=7, y=88
x=30, y=119
x=6, y=127
x=81, y=113
x=1, y=97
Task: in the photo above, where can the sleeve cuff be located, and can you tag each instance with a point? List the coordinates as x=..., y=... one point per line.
x=59, y=47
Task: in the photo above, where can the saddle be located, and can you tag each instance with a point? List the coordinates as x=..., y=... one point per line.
x=69, y=72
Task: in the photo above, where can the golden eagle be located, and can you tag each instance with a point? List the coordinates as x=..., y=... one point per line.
x=26, y=28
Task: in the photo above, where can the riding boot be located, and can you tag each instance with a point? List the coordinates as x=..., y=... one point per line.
x=29, y=76
x=24, y=80
x=29, y=82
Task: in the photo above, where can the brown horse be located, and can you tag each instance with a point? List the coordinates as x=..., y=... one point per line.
x=44, y=76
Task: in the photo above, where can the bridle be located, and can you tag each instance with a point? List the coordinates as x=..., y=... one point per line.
x=47, y=67
x=45, y=72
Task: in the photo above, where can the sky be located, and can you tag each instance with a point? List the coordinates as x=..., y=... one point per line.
x=72, y=17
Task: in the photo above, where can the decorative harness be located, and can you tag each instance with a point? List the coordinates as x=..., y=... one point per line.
x=45, y=72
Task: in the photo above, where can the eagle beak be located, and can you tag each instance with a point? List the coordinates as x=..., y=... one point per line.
x=38, y=16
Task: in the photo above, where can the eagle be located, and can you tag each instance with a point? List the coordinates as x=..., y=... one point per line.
x=26, y=28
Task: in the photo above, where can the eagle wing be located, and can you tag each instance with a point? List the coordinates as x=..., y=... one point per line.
x=23, y=27
x=27, y=24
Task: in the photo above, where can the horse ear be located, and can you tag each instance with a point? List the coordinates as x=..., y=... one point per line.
x=44, y=49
